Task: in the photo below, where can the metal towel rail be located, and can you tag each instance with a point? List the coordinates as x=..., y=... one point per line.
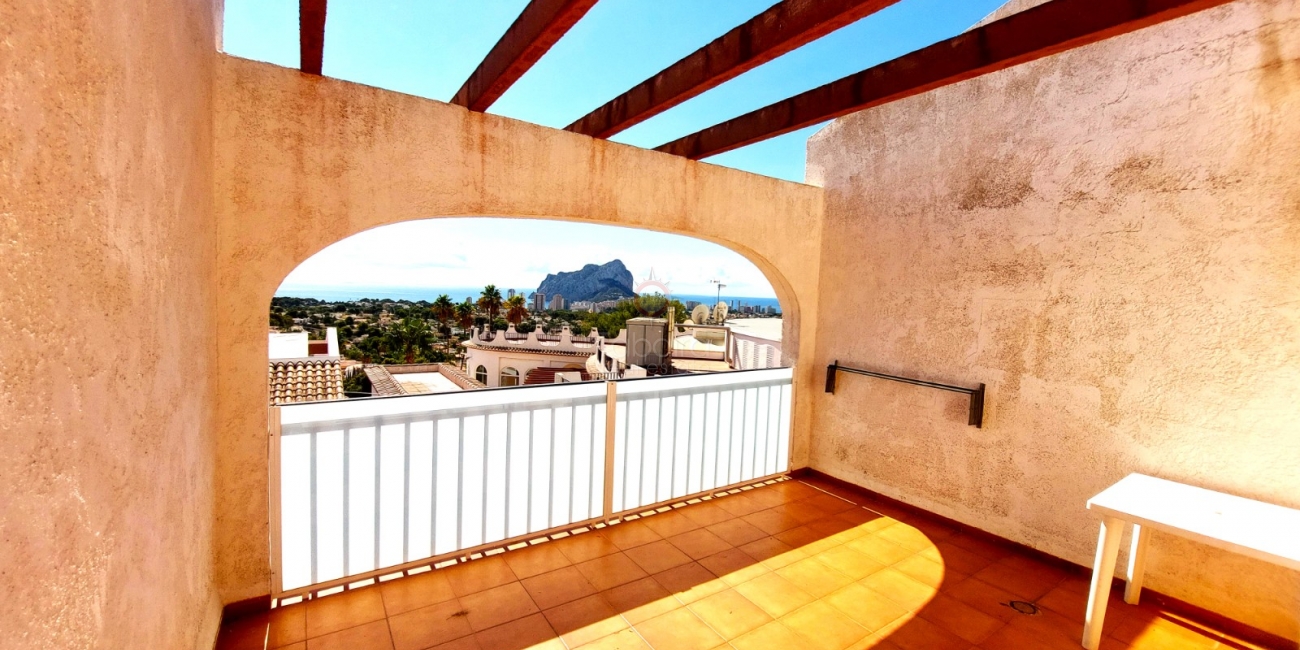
x=976, y=418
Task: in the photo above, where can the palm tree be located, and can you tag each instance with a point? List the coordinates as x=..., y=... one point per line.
x=443, y=311
x=516, y=311
x=490, y=302
x=465, y=315
x=413, y=334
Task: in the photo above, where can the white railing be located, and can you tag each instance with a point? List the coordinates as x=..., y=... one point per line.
x=682, y=435
x=366, y=487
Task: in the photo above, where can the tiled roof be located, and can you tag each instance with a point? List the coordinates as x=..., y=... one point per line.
x=304, y=380
x=382, y=382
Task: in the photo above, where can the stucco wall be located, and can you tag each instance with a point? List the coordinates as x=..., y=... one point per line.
x=1110, y=239
x=302, y=162
x=107, y=390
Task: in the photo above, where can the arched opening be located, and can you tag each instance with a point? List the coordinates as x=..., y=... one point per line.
x=558, y=313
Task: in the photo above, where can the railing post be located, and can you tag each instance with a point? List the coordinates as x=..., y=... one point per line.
x=273, y=492
x=611, y=403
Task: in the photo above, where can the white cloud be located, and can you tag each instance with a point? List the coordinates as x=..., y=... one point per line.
x=518, y=253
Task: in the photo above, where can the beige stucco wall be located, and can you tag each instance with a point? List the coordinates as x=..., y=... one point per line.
x=107, y=393
x=302, y=162
x=1110, y=239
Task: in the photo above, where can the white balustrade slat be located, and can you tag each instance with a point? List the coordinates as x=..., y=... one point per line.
x=376, y=483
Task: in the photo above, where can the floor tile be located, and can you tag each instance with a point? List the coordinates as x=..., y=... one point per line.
x=959, y=618
x=412, y=592
x=956, y=558
x=610, y=571
x=927, y=571
x=479, y=575
x=983, y=597
x=733, y=566
x=729, y=613
x=1025, y=584
x=668, y=524
x=774, y=594
x=343, y=610
x=772, y=521
x=737, y=531
x=706, y=513
x=587, y=546
x=371, y=636
x=920, y=634
x=690, y=582
x=814, y=577
x=657, y=556
x=867, y=607
x=429, y=626
x=536, y=560
x=630, y=534
x=880, y=549
x=279, y=627
x=824, y=626
x=772, y=636
x=557, y=587
x=853, y=564
x=699, y=543
x=528, y=633
x=831, y=504
x=497, y=605
x=585, y=620
x=772, y=552
x=640, y=600
x=898, y=587
x=626, y=640
x=679, y=629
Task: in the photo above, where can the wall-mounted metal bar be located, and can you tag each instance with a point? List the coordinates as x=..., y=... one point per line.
x=976, y=417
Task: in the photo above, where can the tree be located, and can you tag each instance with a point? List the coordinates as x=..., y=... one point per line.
x=490, y=302
x=516, y=310
x=443, y=311
x=414, y=335
x=465, y=314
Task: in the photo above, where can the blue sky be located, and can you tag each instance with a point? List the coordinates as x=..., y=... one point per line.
x=429, y=47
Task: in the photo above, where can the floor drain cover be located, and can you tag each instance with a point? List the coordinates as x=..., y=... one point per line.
x=1022, y=607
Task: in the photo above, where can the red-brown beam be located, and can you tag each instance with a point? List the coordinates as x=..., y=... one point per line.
x=311, y=35
x=783, y=27
x=1045, y=30
x=539, y=26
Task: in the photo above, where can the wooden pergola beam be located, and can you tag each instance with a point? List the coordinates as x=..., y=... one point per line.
x=539, y=26
x=781, y=28
x=1042, y=31
x=311, y=35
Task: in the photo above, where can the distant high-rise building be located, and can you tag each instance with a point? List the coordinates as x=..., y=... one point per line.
x=539, y=301
x=510, y=294
x=557, y=302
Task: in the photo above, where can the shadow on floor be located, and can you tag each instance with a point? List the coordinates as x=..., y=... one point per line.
x=792, y=564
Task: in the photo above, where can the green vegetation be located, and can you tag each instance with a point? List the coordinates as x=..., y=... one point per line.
x=402, y=331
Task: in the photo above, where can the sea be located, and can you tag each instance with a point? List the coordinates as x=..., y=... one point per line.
x=459, y=294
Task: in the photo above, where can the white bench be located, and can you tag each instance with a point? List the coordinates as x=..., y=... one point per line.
x=1260, y=530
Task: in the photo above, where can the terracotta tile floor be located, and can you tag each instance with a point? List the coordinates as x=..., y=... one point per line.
x=785, y=565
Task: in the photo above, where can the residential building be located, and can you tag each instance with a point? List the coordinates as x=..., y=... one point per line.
x=557, y=302
x=539, y=302
x=304, y=370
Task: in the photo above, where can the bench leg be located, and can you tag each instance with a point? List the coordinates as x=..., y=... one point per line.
x=1137, y=564
x=1103, y=572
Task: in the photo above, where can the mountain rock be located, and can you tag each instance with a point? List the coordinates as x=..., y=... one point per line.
x=609, y=281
